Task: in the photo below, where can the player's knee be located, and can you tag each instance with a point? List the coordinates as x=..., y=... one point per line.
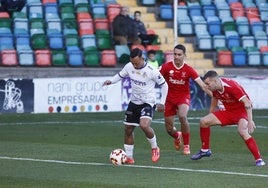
x=183, y=119
x=203, y=123
x=170, y=129
x=243, y=132
x=128, y=130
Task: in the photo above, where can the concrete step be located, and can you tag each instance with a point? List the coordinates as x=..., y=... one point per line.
x=155, y=25
x=166, y=40
x=170, y=46
x=128, y=3
x=147, y=17
x=202, y=71
x=195, y=55
x=200, y=63
x=181, y=40
x=143, y=10
x=164, y=32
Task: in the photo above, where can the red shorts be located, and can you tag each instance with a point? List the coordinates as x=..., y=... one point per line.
x=171, y=105
x=230, y=117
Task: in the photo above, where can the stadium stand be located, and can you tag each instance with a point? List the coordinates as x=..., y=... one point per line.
x=147, y=2
x=9, y=57
x=83, y=28
x=218, y=41
x=92, y=58
x=224, y=57
x=239, y=56
x=75, y=56
x=242, y=24
x=253, y=56
x=122, y=53
x=264, y=55
x=42, y=57
x=108, y=58
x=166, y=12
x=58, y=58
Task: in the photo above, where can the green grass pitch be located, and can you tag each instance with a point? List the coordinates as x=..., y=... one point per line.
x=72, y=150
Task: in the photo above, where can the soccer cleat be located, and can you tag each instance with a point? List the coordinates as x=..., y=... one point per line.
x=155, y=154
x=186, y=150
x=129, y=161
x=201, y=154
x=260, y=162
x=177, y=141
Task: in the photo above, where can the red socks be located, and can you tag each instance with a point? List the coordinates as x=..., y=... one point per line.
x=253, y=148
x=251, y=144
x=186, y=138
x=175, y=135
x=205, y=137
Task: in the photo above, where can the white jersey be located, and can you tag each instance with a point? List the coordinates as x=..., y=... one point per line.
x=143, y=82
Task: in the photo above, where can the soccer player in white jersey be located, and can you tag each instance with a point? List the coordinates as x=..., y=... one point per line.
x=142, y=102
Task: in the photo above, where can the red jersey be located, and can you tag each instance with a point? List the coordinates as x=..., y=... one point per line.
x=178, y=79
x=231, y=95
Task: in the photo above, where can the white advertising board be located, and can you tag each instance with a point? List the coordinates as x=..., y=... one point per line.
x=85, y=94
x=257, y=89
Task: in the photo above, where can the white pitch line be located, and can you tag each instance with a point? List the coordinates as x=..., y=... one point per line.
x=58, y=122
x=135, y=166
x=158, y=120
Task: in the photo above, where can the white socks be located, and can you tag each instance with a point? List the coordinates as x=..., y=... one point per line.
x=129, y=150
x=153, y=142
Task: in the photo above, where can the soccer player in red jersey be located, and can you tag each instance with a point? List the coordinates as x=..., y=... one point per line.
x=238, y=110
x=178, y=74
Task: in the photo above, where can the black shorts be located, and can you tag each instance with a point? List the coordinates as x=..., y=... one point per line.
x=135, y=112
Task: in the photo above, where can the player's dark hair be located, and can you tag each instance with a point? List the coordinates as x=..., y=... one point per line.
x=180, y=47
x=151, y=52
x=137, y=12
x=136, y=52
x=210, y=74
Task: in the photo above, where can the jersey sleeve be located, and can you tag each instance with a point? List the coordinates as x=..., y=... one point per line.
x=193, y=73
x=237, y=91
x=124, y=72
x=162, y=69
x=158, y=78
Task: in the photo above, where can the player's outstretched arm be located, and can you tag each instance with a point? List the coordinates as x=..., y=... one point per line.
x=106, y=83
x=164, y=90
x=203, y=86
x=114, y=79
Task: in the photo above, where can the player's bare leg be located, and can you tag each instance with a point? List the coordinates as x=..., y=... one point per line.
x=172, y=131
x=185, y=127
x=129, y=143
x=205, y=123
x=145, y=125
x=242, y=128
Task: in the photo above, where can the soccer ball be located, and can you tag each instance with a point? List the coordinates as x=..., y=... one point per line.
x=118, y=157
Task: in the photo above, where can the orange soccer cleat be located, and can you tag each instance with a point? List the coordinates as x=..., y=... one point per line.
x=177, y=141
x=155, y=154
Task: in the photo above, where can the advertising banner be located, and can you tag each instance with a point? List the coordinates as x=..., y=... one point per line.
x=63, y=95
x=86, y=94
x=257, y=89
x=199, y=99
x=16, y=96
